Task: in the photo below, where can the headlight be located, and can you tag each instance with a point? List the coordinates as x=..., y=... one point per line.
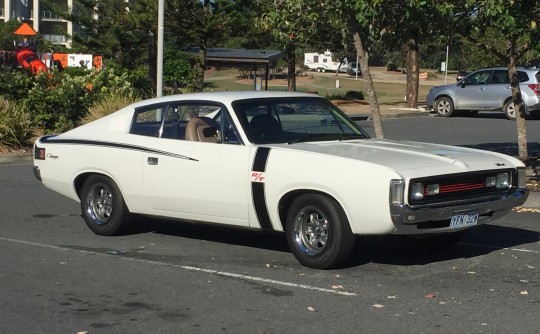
x=396, y=192
x=417, y=191
x=503, y=180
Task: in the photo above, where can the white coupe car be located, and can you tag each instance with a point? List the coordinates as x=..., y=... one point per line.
x=275, y=161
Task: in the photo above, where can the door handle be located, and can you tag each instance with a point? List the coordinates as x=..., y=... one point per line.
x=152, y=160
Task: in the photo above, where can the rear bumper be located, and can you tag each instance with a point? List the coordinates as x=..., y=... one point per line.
x=417, y=220
x=37, y=173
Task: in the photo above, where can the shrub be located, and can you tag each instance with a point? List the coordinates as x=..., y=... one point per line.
x=432, y=75
x=109, y=103
x=354, y=95
x=16, y=126
x=59, y=102
x=350, y=95
x=390, y=66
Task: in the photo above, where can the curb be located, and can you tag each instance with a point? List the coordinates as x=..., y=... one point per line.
x=11, y=158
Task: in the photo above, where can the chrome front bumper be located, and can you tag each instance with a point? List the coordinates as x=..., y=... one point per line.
x=436, y=218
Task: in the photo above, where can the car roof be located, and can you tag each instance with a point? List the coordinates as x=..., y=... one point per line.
x=223, y=97
x=532, y=69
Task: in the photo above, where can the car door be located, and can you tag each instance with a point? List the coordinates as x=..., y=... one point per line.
x=470, y=94
x=194, y=180
x=497, y=90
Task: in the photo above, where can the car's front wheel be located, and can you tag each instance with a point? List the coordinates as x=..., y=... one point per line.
x=509, y=110
x=103, y=207
x=444, y=106
x=318, y=232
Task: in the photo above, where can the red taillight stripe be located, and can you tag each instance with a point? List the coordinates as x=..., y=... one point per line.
x=535, y=88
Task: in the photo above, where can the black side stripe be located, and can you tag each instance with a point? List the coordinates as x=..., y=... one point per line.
x=257, y=189
x=52, y=140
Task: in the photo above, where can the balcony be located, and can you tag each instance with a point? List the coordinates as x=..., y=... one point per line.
x=56, y=39
x=47, y=15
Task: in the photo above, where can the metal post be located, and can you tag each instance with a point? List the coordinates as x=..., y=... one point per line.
x=446, y=66
x=159, y=76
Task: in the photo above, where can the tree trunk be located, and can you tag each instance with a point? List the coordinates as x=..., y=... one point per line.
x=413, y=72
x=291, y=67
x=519, y=108
x=366, y=77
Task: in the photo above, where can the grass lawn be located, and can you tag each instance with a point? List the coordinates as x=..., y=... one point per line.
x=324, y=85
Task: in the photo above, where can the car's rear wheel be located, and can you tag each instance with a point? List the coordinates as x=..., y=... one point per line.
x=103, y=207
x=444, y=106
x=440, y=240
x=509, y=110
x=318, y=232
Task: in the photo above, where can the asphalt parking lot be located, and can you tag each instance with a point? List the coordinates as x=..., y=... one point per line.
x=170, y=277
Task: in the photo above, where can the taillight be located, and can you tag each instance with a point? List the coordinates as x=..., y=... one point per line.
x=535, y=88
x=39, y=153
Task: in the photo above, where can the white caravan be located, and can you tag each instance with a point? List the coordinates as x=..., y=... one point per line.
x=322, y=62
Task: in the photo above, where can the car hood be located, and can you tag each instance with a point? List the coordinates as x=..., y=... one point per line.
x=403, y=156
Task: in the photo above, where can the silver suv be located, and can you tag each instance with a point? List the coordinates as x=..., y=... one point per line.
x=487, y=89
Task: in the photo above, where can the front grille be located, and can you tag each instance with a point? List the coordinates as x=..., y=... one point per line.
x=461, y=186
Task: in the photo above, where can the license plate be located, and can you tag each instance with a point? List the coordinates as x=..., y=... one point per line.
x=464, y=219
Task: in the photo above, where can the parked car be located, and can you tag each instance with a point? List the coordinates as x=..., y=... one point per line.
x=353, y=69
x=274, y=161
x=487, y=89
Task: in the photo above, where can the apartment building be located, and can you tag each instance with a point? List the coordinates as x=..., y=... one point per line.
x=42, y=19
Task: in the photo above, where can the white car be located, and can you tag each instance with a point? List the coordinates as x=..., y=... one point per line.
x=276, y=161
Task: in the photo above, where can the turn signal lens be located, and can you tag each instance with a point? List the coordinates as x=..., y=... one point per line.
x=522, y=177
x=396, y=192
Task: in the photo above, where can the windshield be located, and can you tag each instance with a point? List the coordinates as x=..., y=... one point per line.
x=293, y=120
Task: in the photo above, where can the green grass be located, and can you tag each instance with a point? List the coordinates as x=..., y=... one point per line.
x=387, y=93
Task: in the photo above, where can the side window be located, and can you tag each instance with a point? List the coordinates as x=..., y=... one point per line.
x=478, y=78
x=500, y=77
x=147, y=122
x=171, y=121
x=522, y=76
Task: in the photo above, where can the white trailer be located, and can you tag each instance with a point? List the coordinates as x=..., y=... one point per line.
x=322, y=62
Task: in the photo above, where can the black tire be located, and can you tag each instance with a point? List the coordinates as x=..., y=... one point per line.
x=509, y=110
x=444, y=106
x=318, y=232
x=440, y=240
x=103, y=207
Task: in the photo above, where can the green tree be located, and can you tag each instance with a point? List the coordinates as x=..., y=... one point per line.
x=201, y=23
x=117, y=29
x=6, y=34
x=291, y=23
x=507, y=29
x=408, y=23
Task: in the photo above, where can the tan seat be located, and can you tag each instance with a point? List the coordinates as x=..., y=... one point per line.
x=202, y=129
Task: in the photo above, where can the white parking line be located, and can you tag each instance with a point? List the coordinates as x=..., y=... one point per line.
x=190, y=268
x=523, y=250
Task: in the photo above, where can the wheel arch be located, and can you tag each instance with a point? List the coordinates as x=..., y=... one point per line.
x=79, y=181
x=286, y=200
